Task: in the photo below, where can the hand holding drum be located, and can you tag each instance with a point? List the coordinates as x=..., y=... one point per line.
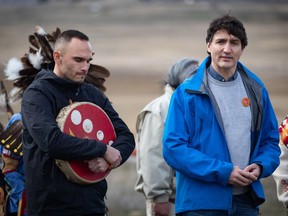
x=87, y=120
x=112, y=159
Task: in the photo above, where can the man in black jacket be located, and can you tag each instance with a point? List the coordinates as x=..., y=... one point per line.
x=48, y=190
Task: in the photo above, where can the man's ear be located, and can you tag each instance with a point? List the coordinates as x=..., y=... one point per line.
x=208, y=47
x=57, y=57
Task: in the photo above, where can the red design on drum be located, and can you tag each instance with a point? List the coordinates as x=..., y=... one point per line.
x=88, y=121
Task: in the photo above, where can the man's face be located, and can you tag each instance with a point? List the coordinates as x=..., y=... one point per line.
x=226, y=50
x=74, y=62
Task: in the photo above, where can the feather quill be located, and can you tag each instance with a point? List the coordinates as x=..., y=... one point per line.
x=2, y=104
x=4, y=101
x=14, y=94
x=33, y=41
x=46, y=49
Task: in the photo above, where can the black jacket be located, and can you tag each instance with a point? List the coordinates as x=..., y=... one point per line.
x=48, y=190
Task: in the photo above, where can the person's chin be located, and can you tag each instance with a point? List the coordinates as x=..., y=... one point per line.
x=79, y=80
x=227, y=64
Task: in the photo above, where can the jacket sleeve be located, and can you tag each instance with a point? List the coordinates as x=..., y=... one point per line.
x=156, y=173
x=124, y=142
x=267, y=151
x=178, y=144
x=281, y=176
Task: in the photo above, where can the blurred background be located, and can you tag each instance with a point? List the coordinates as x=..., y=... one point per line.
x=138, y=40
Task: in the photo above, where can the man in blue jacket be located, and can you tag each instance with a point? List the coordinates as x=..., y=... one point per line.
x=221, y=133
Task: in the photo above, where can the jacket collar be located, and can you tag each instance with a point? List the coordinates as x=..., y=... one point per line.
x=45, y=74
x=199, y=80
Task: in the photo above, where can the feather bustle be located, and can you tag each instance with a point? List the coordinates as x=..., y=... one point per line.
x=22, y=72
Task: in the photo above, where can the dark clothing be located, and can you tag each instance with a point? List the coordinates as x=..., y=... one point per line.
x=241, y=205
x=2, y=182
x=48, y=190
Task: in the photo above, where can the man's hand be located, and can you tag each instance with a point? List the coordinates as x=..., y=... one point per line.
x=98, y=165
x=113, y=157
x=244, y=177
x=161, y=208
x=254, y=169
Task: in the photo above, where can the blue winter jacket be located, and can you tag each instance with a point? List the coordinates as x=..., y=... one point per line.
x=194, y=143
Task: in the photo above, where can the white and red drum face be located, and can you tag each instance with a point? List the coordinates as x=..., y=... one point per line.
x=89, y=121
x=283, y=130
x=86, y=121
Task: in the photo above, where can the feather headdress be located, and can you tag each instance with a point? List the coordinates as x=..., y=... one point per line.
x=23, y=71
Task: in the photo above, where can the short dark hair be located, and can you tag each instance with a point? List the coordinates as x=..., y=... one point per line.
x=69, y=34
x=229, y=23
x=66, y=37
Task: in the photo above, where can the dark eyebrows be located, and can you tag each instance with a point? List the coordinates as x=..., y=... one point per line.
x=231, y=40
x=235, y=40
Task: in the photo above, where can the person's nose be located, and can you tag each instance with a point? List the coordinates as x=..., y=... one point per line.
x=227, y=48
x=85, y=66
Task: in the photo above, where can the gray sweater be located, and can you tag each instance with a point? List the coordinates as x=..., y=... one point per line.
x=236, y=119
